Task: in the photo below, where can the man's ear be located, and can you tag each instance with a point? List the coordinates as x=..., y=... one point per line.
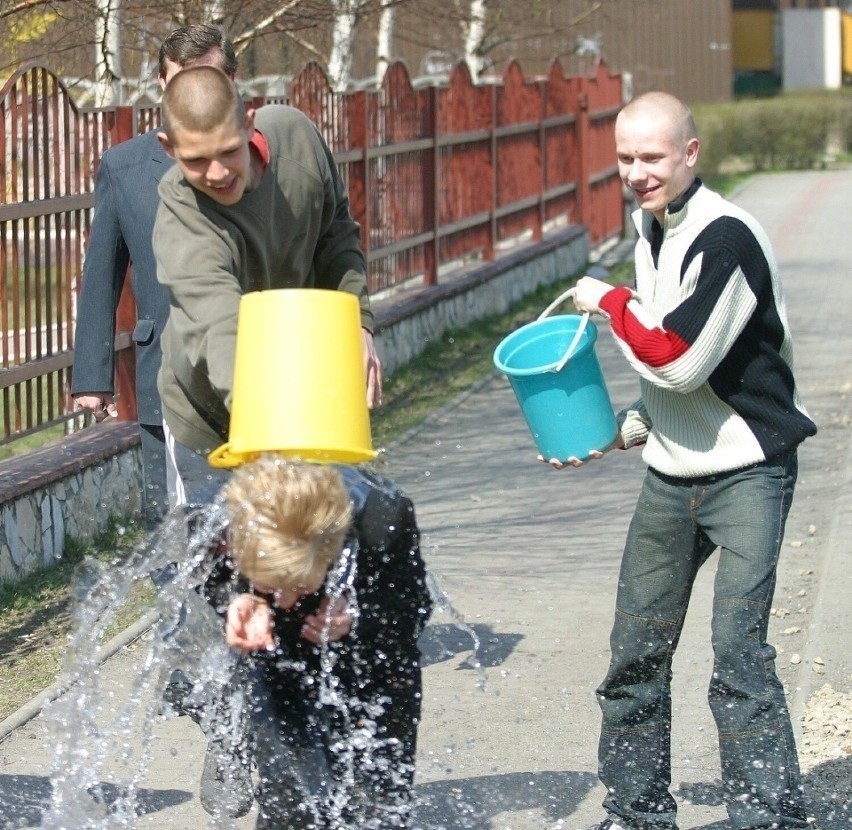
x=248, y=125
x=166, y=144
x=693, y=146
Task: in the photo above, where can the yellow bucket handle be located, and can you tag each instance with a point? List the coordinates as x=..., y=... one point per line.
x=224, y=459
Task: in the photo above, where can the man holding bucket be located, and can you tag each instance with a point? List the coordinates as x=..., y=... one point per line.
x=254, y=202
x=720, y=420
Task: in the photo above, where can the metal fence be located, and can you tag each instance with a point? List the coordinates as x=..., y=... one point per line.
x=438, y=177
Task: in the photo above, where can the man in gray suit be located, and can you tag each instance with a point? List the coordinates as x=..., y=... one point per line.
x=126, y=202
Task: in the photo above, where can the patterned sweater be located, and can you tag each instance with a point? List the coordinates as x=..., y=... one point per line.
x=707, y=331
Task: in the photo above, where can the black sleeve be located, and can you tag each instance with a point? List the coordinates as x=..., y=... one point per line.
x=393, y=597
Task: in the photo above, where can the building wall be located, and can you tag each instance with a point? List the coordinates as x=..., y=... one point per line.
x=846, y=42
x=753, y=40
x=811, y=44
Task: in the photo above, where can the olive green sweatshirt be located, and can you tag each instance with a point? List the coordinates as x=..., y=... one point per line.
x=293, y=230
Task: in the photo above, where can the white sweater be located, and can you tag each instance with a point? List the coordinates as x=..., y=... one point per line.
x=707, y=331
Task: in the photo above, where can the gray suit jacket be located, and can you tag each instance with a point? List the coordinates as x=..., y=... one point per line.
x=126, y=202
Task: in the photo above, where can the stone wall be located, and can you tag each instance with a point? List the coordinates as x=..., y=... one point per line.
x=68, y=489
x=72, y=488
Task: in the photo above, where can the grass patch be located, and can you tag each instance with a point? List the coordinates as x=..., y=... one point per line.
x=33, y=441
x=37, y=613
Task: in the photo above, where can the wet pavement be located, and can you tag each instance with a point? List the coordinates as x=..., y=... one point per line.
x=528, y=557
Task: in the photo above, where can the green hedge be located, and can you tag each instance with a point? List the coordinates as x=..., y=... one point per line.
x=794, y=131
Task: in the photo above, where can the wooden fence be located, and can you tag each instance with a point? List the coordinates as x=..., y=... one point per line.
x=439, y=177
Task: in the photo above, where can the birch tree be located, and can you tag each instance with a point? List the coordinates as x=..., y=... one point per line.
x=343, y=30
x=384, y=39
x=473, y=27
x=107, y=53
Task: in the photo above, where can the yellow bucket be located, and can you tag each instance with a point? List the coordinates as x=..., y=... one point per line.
x=300, y=387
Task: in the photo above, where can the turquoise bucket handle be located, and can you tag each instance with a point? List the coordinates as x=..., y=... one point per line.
x=577, y=335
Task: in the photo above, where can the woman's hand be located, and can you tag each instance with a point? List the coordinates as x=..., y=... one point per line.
x=248, y=624
x=334, y=619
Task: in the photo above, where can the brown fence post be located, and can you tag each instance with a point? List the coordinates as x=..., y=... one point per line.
x=538, y=231
x=431, y=192
x=584, y=185
x=494, y=162
x=125, y=315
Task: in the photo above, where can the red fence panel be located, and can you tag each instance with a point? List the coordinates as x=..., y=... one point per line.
x=561, y=147
x=47, y=148
x=438, y=177
x=466, y=185
x=519, y=159
x=606, y=203
x=399, y=143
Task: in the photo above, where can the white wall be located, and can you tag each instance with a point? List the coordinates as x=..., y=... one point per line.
x=811, y=49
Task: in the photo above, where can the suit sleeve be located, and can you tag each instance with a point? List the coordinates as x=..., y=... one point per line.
x=104, y=270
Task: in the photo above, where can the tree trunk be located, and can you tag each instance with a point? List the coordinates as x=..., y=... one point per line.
x=344, y=27
x=107, y=54
x=474, y=35
x=384, y=44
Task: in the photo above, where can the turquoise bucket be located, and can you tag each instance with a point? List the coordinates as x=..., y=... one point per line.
x=553, y=369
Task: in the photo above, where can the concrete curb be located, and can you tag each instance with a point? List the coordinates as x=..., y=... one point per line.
x=34, y=706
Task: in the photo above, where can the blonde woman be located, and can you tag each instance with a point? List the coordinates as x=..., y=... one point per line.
x=323, y=588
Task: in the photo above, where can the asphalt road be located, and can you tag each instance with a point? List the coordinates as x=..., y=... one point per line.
x=528, y=557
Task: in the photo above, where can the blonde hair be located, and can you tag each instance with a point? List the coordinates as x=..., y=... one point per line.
x=199, y=99
x=289, y=520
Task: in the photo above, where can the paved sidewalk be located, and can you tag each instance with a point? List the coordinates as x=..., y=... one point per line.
x=528, y=558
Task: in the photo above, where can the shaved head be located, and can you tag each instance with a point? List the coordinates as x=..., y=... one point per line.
x=664, y=110
x=200, y=99
x=657, y=149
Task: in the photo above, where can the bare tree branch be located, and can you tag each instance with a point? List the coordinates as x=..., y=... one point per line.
x=25, y=6
x=244, y=39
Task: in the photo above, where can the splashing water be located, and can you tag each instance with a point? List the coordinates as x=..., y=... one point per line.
x=103, y=730
x=443, y=605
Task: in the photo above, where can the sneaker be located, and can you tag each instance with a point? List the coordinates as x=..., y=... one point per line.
x=226, y=788
x=176, y=690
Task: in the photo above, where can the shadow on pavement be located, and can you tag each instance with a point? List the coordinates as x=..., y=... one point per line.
x=441, y=642
x=25, y=798
x=828, y=789
x=470, y=803
x=827, y=793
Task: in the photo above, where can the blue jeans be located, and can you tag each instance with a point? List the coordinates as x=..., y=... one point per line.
x=677, y=525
